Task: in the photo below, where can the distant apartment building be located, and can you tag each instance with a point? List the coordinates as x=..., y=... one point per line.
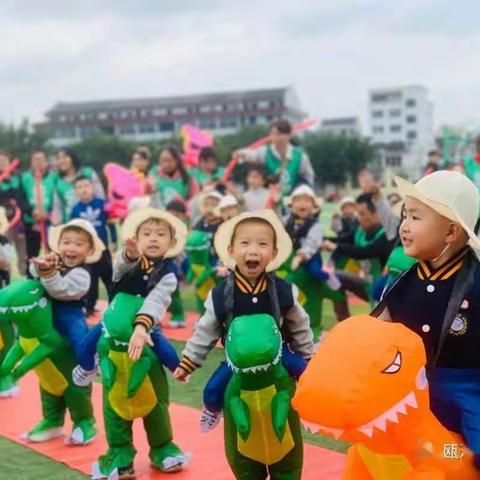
x=401, y=127
x=341, y=126
x=150, y=119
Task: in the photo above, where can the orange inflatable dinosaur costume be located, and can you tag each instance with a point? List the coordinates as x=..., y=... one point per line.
x=366, y=384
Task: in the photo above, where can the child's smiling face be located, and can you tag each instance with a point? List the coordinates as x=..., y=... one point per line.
x=74, y=246
x=424, y=232
x=154, y=238
x=303, y=206
x=253, y=247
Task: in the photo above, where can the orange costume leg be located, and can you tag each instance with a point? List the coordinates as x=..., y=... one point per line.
x=355, y=469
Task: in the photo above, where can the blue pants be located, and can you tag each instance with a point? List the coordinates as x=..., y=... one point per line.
x=69, y=321
x=314, y=267
x=214, y=390
x=164, y=351
x=455, y=401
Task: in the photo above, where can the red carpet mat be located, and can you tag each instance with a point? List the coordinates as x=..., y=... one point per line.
x=19, y=414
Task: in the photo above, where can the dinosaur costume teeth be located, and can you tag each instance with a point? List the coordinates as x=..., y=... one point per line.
x=255, y=368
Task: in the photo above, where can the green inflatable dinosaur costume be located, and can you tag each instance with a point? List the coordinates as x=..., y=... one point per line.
x=262, y=431
x=200, y=271
x=132, y=390
x=41, y=348
x=8, y=385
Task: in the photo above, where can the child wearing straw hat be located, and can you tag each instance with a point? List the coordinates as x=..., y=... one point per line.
x=144, y=267
x=65, y=276
x=439, y=296
x=254, y=245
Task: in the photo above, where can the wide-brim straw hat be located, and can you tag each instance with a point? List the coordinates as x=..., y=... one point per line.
x=225, y=232
x=55, y=233
x=141, y=215
x=307, y=191
x=452, y=195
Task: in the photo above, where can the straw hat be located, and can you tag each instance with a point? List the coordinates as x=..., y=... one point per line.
x=3, y=221
x=452, y=195
x=307, y=191
x=137, y=217
x=346, y=201
x=225, y=232
x=55, y=233
x=228, y=200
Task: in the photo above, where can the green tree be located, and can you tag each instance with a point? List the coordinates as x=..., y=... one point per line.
x=23, y=139
x=337, y=159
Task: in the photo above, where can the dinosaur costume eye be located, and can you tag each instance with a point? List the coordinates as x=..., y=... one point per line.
x=34, y=292
x=395, y=366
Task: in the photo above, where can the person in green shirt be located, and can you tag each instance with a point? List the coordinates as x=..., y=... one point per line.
x=208, y=170
x=471, y=165
x=284, y=163
x=68, y=170
x=170, y=179
x=38, y=184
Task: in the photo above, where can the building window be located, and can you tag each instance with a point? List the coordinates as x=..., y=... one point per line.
x=411, y=119
x=229, y=122
x=147, y=128
x=377, y=114
x=263, y=104
x=412, y=135
x=126, y=129
x=411, y=102
x=395, y=112
x=102, y=116
x=377, y=129
x=65, y=133
x=160, y=111
x=393, y=161
x=207, y=123
x=205, y=108
x=218, y=107
x=395, y=128
x=166, y=126
x=179, y=110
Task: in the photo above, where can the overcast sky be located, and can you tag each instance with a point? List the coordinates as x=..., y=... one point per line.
x=331, y=51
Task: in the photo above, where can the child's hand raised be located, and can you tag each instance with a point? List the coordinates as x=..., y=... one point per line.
x=139, y=338
x=47, y=262
x=131, y=249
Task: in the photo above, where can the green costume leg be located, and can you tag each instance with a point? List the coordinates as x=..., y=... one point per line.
x=8, y=385
x=79, y=403
x=53, y=408
x=53, y=411
x=118, y=431
x=176, y=307
x=290, y=467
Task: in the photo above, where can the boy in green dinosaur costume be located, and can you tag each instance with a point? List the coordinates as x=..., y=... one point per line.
x=200, y=271
x=251, y=244
x=132, y=389
x=262, y=431
x=41, y=348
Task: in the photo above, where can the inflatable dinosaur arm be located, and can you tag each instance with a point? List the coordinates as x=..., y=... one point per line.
x=12, y=358
x=138, y=374
x=281, y=402
x=40, y=353
x=238, y=408
x=204, y=276
x=190, y=275
x=106, y=365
